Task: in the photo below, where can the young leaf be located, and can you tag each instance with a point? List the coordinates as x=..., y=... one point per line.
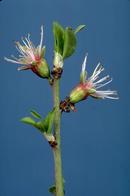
x=79, y=28
x=28, y=120
x=58, y=32
x=69, y=42
x=35, y=114
x=40, y=125
x=46, y=124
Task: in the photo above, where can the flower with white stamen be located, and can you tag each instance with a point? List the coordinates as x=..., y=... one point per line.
x=31, y=57
x=90, y=86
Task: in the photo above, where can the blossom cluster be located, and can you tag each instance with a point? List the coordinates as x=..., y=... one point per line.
x=33, y=58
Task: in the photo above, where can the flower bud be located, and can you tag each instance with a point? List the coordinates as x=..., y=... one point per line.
x=58, y=65
x=49, y=137
x=58, y=60
x=41, y=69
x=80, y=93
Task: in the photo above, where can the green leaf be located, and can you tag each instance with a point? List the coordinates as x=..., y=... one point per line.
x=69, y=42
x=40, y=125
x=79, y=28
x=58, y=32
x=35, y=114
x=46, y=124
x=52, y=189
x=28, y=120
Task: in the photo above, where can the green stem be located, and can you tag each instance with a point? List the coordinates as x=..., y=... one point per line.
x=57, y=149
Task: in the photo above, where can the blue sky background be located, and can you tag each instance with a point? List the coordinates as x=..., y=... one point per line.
x=95, y=139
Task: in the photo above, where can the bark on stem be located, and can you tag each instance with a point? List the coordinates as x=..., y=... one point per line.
x=57, y=149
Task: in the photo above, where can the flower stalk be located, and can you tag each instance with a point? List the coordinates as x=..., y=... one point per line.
x=57, y=148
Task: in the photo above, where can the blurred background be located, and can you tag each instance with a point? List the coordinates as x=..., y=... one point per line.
x=95, y=139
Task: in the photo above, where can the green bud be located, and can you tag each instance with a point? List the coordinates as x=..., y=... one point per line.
x=58, y=60
x=80, y=93
x=41, y=69
x=52, y=189
x=49, y=137
x=77, y=94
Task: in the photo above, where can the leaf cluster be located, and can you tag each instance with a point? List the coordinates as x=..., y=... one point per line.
x=44, y=125
x=65, y=39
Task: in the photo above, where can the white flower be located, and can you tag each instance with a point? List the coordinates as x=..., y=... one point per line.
x=93, y=83
x=29, y=54
x=31, y=57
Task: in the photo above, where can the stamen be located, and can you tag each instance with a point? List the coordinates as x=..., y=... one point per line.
x=41, y=41
x=98, y=67
x=14, y=57
x=22, y=49
x=30, y=43
x=19, y=50
x=84, y=63
x=109, y=97
x=101, y=85
x=106, y=94
x=96, y=72
x=26, y=44
x=25, y=67
x=13, y=61
x=102, y=79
